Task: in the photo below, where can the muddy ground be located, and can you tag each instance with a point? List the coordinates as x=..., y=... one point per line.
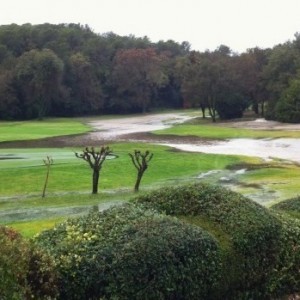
x=138, y=129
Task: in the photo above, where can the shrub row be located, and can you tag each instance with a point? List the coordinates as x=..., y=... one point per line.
x=289, y=205
x=142, y=250
x=128, y=252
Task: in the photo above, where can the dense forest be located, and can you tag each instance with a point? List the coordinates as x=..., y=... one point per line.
x=68, y=70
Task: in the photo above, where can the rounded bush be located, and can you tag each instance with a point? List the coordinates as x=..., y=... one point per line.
x=290, y=205
x=285, y=276
x=252, y=229
x=129, y=252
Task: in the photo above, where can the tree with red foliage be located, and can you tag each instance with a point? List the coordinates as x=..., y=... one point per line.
x=136, y=74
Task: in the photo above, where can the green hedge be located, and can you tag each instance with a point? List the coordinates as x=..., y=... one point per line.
x=25, y=271
x=252, y=229
x=285, y=276
x=128, y=252
x=215, y=244
x=290, y=205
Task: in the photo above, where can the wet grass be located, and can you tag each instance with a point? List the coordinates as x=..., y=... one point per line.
x=31, y=130
x=274, y=181
x=69, y=188
x=26, y=176
x=30, y=228
x=219, y=132
x=22, y=172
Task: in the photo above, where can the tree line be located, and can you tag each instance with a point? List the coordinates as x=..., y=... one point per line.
x=69, y=70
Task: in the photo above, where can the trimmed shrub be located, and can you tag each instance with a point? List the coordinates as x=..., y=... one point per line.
x=252, y=228
x=285, y=276
x=128, y=252
x=290, y=206
x=25, y=271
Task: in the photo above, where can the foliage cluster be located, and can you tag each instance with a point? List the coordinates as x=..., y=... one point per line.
x=290, y=205
x=25, y=270
x=129, y=252
x=261, y=251
x=196, y=241
x=285, y=276
x=67, y=70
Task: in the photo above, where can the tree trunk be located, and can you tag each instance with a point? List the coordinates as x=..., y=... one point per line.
x=46, y=181
x=262, y=108
x=255, y=108
x=95, y=181
x=203, y=112
x=138, y=181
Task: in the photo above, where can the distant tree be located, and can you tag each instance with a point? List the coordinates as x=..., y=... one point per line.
x=200, y=73
x=249, y=67
x=85, y=87
x=287, y=109
x=95, y=159
x=282, y=67
x=211, y=81
x=10, y=107
x=140, y=161
x=136, y=74
x=38, y=76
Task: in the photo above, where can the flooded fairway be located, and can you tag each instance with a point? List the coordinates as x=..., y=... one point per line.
x=268, y=149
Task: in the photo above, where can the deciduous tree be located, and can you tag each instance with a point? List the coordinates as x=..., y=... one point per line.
x=38, y=75
x=140, y=161
x=136, y=74
x=95, y=159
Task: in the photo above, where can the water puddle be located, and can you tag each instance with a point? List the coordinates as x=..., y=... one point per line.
x=113, y=128
x=283, y=148
x=231, y=179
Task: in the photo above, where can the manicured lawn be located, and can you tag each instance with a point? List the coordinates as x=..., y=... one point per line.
x=218, y=132
x=30, y=130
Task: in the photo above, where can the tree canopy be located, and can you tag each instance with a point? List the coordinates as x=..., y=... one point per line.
x=69, y=70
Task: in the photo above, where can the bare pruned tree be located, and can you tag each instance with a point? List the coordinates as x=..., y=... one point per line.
x=140, y=161
x=95, y=159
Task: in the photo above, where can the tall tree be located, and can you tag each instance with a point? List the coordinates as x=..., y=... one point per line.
x=10, y=107
x=38, y=75
x=249, y=66
x=85, y=87
x=136, y=74
x=282, y=67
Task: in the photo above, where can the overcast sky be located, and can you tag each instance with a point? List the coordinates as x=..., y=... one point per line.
x=205, y=24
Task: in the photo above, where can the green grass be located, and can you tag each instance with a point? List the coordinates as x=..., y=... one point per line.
x=26, y=176
x=282, y=179
x=30, y=130
x=22, y=172
x=218, y=132
x=69, y=188
x=31, y=228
